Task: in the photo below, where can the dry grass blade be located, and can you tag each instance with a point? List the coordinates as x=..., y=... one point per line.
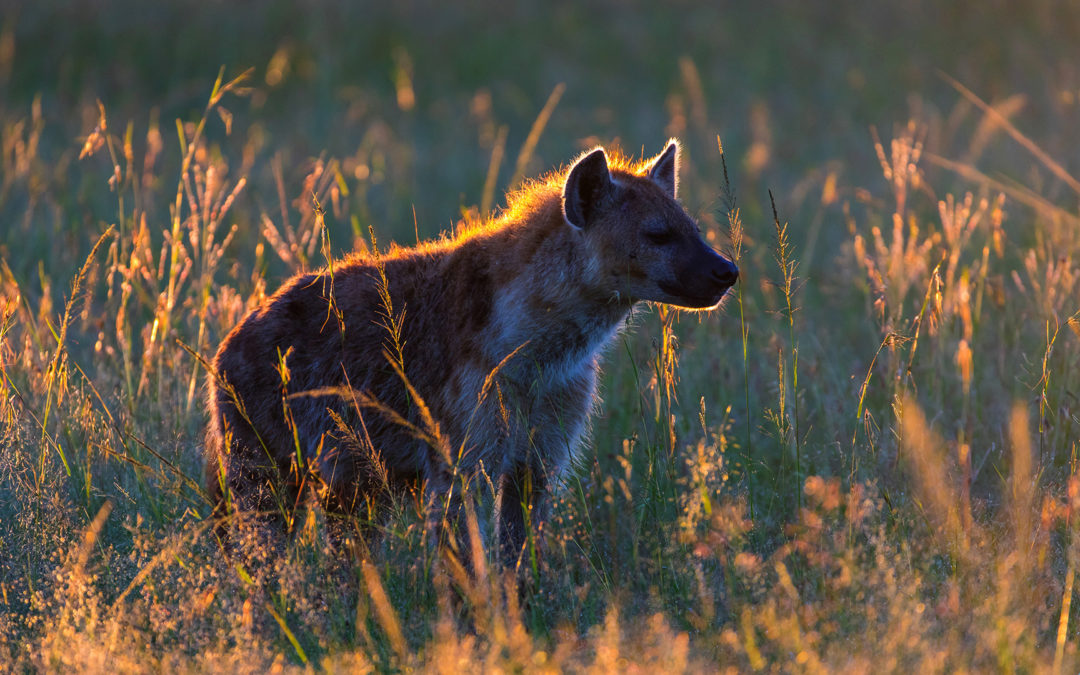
x=925, y=450
x=487, y=198
x=288, y=633
x=485, y=389
x=1074, y=324
x=96, y=139
x=534, y=134
x=366, y=400
x=1022, y=487
x=476, y=549
x=1063, y=617
x=384, y=612
x=90, y=536
x=432, y=433
x=1020, y=193
x=695, y=91
x=1019, y=137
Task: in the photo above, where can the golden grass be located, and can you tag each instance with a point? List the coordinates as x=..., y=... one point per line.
x=914, y=517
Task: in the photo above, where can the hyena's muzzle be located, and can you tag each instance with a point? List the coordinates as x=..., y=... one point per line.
x=702, y=278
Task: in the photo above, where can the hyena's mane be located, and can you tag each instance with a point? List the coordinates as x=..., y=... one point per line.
x=536, y=196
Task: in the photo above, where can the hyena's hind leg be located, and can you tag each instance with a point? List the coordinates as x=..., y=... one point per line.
x=239, y=487
x=521, y=506
x=452, y=522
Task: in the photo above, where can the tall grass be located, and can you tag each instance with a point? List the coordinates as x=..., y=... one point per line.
x=940, y=535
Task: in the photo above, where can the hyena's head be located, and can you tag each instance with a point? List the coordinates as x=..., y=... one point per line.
x=645, y=244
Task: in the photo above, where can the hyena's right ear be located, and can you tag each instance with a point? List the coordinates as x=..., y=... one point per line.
x=588, y=187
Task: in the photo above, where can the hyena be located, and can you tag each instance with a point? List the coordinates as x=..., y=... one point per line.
x=474, y=355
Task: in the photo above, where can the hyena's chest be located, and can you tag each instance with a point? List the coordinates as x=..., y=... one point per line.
x=506, y=421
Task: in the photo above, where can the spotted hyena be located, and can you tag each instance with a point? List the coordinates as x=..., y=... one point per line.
x=472, y=355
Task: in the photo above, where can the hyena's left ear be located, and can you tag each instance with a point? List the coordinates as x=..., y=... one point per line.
x=588, y=189
x=665, y=170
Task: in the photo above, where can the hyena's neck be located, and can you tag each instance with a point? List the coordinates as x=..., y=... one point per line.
x=550, y=297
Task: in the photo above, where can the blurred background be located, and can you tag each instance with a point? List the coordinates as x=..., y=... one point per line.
x=420, y=93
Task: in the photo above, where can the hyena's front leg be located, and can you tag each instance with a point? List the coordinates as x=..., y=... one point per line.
x=447, y=519
x=521, y=506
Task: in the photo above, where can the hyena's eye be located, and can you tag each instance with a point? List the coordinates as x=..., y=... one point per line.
x=658, y=233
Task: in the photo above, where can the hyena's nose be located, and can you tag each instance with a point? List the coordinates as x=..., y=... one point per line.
x=725, y=272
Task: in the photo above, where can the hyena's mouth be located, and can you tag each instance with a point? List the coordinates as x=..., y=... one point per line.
x=694, y=298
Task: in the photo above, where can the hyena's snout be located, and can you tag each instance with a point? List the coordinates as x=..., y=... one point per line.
x=722, y=273
x=704, y=278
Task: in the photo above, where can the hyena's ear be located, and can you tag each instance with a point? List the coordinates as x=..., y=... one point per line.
x=588, y=187
x=665, y=170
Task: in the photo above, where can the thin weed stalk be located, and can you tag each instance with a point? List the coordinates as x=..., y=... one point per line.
x=787, y=267
x=1044, y=383
x=56, y=375
x=667, y=376
x=860, y=408
x=735, y=230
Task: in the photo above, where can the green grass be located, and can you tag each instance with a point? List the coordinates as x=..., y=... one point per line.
x=866, y=461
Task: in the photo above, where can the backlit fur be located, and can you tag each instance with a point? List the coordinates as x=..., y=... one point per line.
x=310, y=370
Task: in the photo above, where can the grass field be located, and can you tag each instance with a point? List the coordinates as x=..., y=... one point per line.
x=866, y=461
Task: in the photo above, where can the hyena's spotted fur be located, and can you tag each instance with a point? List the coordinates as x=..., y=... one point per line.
x=533, y=297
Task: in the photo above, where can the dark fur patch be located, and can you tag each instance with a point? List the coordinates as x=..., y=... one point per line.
x=475, y=293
